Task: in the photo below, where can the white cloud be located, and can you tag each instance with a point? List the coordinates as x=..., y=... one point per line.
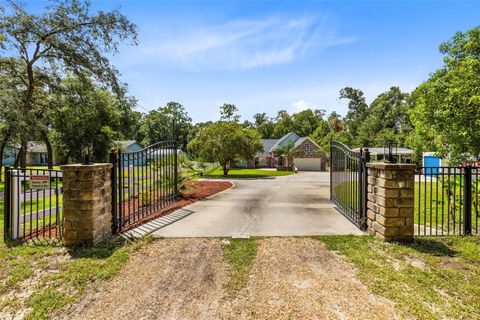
x=300, y=105
x=239, y=44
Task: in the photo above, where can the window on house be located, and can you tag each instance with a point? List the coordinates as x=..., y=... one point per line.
x=306, y=147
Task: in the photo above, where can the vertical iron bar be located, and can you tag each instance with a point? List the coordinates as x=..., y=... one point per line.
x=24, y=195
x=425, y=204
x=360, y=190
x=113, y=177
x=443, y=200
x=431, y=200
x=467, y=201
x=7, y=210
x=331, y=169
x=175, y=160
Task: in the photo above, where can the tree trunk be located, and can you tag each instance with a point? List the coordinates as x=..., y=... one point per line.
x=66, y=158
x=49, y=149
x=225, y=170
x=290, y=162
x=17, y=158
x=23, y=154
x=2, y=150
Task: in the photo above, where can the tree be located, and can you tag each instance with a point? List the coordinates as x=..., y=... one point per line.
x=447, y=105
x=305, y=122
x=158, y=125
x=283, y=124
x=266, y=130
x=387, y=120
x=288, y=151
x=260, y=118
x=84, y=114
x=357, y=109
x=41, y=48
x=224, y=142
x=331, y=129
x=228, y=112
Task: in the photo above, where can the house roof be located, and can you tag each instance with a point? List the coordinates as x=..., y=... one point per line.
x=36, y=147
x=267, y=145
x=302, y=139
x=382, y=151
x=124, y=144
x=288, y=137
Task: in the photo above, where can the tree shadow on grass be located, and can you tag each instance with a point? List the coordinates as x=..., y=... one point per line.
x=102, y=250
x=432, y=246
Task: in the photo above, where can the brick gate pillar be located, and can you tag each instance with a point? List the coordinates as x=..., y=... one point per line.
x=390, y=201
x=87, y=207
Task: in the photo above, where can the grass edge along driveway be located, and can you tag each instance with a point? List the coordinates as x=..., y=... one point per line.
x=247, y=173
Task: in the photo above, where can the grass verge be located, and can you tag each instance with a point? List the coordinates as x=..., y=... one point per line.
x=38, y=281
x=239, y=253
x=432, y=278
x=248, y=173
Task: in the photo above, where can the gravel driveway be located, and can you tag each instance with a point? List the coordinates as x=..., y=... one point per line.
x=294, y=205
x=291, y=278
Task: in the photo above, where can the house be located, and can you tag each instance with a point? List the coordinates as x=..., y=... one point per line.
x=37, y=154
x=9, y=155
x=128, y=145
x=403, y=155
x=309, y=157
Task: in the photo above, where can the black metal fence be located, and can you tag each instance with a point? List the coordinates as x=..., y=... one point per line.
x=447, y=200
x=143, y=183
x=32, y=204
x=348, y=182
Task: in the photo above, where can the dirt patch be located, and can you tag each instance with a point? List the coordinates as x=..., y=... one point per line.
x=169, y=279
x=291, y=278
x=298, y=278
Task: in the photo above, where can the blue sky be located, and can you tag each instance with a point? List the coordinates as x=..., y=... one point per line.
x=265, y=56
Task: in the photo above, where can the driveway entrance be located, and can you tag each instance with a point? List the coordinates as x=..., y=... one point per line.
x=295, y=205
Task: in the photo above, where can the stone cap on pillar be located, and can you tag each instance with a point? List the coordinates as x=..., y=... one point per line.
x=86, y=167
x=391, y=166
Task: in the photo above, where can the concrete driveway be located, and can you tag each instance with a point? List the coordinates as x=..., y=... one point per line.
x=295, y=205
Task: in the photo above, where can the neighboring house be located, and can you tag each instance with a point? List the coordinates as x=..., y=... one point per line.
x=9, y=155
x=144, y=157
x=129, y=145
x=403, y=155
x=308, y=158
x=36, y=154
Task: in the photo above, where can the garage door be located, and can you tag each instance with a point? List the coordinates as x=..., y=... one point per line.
x=307, y=164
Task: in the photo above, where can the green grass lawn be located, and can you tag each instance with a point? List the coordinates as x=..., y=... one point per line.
x=249, y=173
x=432, y=278
x=347, y=193
x=239, y=254
x=431, y=204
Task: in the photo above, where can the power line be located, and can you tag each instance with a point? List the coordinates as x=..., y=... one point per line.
x=137, y=105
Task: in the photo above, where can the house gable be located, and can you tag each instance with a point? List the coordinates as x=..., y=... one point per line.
x=307, y=148
x=283, y=141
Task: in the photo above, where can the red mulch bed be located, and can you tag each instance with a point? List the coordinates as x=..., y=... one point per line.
x=197, y=190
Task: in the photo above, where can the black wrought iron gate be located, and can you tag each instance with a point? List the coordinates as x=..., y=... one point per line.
x=143, y=183
x=348, y=182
